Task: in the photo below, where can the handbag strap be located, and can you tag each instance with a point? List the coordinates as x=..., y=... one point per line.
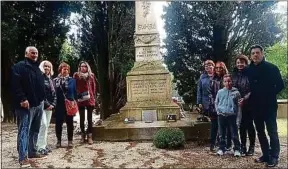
x=62, y=91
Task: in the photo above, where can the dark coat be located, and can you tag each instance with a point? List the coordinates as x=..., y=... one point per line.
x=50, y=92
x=203, y=89
x=27, y=83
x=265, y=83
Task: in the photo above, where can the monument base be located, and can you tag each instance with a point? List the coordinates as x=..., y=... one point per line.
x=160, y=109
x=114, y=130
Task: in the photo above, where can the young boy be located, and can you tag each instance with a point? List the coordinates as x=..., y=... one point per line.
x=226, y=105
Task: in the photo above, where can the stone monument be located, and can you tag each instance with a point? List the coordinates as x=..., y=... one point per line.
x=149, y=92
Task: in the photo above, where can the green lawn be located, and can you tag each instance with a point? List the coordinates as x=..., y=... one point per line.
x=282, y=127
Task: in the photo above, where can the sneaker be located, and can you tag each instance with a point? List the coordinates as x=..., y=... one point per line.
x=250, y=151
x=220, y=152
x=273, y=162
x=243, y=151
x=37, y=155
x=237, y=153
x=262, y=159
x=25, y=163
x=43, y=152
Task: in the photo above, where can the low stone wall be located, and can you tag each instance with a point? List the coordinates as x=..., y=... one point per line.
x=282, y=108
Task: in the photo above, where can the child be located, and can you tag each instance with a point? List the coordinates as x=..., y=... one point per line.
x=226, y=105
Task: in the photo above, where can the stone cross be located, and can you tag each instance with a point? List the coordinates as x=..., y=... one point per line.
x=147, y=39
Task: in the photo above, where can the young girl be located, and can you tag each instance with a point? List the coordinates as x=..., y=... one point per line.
x=226, y=105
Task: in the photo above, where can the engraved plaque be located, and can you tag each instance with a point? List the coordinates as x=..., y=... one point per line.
x=148, y=53
x=149, y=115
x=142, y=90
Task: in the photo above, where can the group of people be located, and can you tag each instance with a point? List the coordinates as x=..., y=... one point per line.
x=36, y=95
x=234, y=101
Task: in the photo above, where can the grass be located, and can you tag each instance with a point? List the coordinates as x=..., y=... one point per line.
x=282, y=127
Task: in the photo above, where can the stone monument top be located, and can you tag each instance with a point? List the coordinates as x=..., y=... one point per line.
x=147, y=38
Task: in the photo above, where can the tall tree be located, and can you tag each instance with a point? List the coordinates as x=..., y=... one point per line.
x=106, y=41
x=216, y=30
x=38, y=23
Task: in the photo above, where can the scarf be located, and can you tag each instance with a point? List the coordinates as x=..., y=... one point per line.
x=63, y=81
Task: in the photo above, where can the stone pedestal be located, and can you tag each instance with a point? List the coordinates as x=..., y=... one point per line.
x=149, y=90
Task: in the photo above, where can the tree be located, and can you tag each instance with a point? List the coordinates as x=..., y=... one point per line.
x=277, y=54
x=106, y=42
x=216, y=30
x=38, y=23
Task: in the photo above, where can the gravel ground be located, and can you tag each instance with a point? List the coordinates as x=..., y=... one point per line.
x=127, y=155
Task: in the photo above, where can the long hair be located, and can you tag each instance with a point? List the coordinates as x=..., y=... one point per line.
x=222, y=64
x=88, y=68
x=41, y=67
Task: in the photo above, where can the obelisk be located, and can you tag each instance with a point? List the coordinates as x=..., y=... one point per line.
x=149, y=93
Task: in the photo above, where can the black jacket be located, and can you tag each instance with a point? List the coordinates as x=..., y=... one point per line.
x=50, y=92
x=265, y=83
x=27, y=83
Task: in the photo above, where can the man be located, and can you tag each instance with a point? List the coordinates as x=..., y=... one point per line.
x=265, y=83
x=27, y=84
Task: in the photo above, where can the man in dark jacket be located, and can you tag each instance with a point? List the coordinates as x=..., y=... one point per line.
x=265, y=83
x=27, y=84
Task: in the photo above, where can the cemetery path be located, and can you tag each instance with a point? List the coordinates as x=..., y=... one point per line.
x=127, y=155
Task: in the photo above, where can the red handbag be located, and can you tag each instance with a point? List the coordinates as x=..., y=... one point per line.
x=71, y=105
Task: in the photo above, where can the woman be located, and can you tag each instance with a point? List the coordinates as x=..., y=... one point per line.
x=204, y=85
x=65, y=87
x=241, y=82
x=215, y=85
x=49, y=104
x=86, y=90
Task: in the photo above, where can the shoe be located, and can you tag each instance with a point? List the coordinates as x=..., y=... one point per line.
x=25, y=163
x=243, y=151
x=83, y=137
x=90, y=141
x=48, y=150
x=43, y=152
x=273, y=162
x=37, y=155
x=220, y=152
x=212, y=148
x=237, y=153
x=58, y=145
x=70, y=144
x=250, y=151
x=262, y=159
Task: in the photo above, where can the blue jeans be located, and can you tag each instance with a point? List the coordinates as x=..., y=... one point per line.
x=28, y=121
x=224, y=123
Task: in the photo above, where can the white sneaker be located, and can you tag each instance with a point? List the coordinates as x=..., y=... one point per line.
x=237, y=153
x=220, y=152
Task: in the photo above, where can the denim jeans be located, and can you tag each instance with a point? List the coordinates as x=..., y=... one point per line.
x=42, y=136
x=213, y=131
x=224, y=123
x=247, y=126
x=270, y=120
x=28, y=121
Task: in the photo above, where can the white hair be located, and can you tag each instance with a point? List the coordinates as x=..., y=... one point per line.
x=41, y=67
x=28, y=49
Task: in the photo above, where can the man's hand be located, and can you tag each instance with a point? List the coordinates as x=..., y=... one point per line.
x=50, y=107
x=25, y=104
x=241, y=101
x=200, y=106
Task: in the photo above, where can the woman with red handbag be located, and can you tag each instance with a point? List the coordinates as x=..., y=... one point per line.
x=66, y=107
x=86, y=90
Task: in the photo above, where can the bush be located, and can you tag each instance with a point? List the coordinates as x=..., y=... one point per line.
x=171, y=138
